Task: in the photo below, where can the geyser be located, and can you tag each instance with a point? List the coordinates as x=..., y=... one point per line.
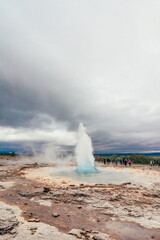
x=84, y=152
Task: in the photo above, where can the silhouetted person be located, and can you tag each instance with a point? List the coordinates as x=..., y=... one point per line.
x=116, y=161
x=125, y=162
x=104, y=161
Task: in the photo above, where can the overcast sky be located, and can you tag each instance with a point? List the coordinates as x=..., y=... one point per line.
x=92, y=61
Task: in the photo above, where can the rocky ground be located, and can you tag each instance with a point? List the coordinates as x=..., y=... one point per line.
x=34, y=206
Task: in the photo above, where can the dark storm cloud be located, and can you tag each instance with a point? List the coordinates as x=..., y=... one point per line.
x=65, y=62
x=19, y=104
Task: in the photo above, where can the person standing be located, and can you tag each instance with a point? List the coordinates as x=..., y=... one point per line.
x=116, y=161
x=125, y=162
x=129, y=162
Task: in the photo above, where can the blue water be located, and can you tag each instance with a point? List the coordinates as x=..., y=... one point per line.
x=100, y=176
x=83, y=170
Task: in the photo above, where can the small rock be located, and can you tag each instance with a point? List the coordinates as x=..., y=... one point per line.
x=86, y=234
x=101, y=236
x=37, y=220
x=76, y=231
x=46, y=189
x=31, y=220
x=135, y=214
x=13, y=232
x=98, y=238
x=33, y=228
x=127, y=183
x=109, y=214
x=79, y=207
x=55, y=215
x=79, y=236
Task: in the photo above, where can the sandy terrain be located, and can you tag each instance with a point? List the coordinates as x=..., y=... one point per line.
x=35, y=204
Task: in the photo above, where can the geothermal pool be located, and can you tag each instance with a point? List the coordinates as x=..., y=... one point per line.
x=107, y=176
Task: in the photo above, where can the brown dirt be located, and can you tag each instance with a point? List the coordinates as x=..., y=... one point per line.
x=74, y=213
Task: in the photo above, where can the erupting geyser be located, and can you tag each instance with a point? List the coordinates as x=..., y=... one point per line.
x=84, y=152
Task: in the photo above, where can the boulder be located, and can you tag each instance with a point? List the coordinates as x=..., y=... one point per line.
x=8, y=220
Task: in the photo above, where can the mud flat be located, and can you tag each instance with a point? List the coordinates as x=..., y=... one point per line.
x=36, y=204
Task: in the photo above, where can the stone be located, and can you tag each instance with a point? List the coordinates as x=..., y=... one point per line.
x=135, y=214
x=31, y=220
x=33, y=228
x=127, y=183
x=109, y=213
x=76, y=231
x=101, y=236
x=55, y=215
x=79, y=236
x=32, y=193
x=46, y=189
x=8, y=220
x=98, y=238
x=30, y=214
x=37, y=220
x=13, y=232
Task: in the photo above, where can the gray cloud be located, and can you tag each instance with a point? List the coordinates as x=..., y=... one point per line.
x=65, y=62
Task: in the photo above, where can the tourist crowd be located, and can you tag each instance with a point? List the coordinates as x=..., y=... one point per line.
x=123, y=161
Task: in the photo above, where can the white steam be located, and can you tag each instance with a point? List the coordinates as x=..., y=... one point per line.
x=84, y=152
